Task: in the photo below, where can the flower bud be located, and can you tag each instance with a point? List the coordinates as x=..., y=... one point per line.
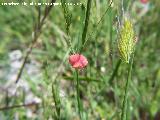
x=78, y=61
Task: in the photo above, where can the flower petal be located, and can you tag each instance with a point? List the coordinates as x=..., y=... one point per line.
x=78, y=61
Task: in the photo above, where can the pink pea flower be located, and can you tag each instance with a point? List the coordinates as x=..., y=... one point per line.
x=78, y=61
x=144, y=1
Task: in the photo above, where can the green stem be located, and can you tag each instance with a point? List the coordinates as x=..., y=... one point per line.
x=78, y=95
x=124, y=113
x=56, y=98
x=115, y=71
x=86, y=23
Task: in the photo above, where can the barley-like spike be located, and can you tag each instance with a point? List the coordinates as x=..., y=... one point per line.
x=126, y=42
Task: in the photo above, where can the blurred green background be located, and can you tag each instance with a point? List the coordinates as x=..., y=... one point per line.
x=48, y=62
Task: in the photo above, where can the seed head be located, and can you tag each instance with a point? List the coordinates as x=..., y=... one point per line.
x=126, y=42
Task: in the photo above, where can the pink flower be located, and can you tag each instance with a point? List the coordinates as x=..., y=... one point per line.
x=144, y=1
x=78, y=61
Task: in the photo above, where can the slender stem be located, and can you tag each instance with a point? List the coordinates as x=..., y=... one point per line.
x=37, y=32
x=110, y=36
x=96, y=25
x=87, y=79
x=56, y=98
x=78, y=96
x=124, y=113
x=18, y=106
x=84, y=34
x=104, y=13
x=115, y=71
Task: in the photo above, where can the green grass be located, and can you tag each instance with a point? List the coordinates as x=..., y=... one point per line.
x=102, y=83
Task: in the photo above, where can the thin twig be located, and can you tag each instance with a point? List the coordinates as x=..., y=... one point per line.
x=36, y=32
x=18, y=106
